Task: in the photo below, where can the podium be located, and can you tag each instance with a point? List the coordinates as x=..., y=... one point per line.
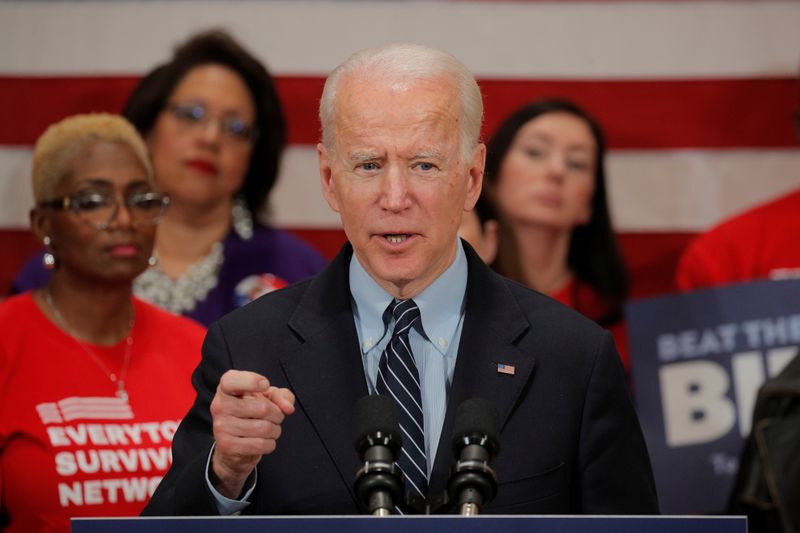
x=416, y=524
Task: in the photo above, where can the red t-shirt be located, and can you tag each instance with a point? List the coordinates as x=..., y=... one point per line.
x=69, y=447
x=761, y=243
x=586, y=301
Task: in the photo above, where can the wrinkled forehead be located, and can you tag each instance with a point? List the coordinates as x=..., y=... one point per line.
x=413, y=113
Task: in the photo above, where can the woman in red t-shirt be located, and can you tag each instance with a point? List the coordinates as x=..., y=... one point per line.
x=93, y=382
x=545, y=175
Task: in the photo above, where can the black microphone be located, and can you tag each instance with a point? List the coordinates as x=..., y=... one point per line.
x=473, y=483
x=377, y=439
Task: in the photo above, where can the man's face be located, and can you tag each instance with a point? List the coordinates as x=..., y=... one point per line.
x=397, y=177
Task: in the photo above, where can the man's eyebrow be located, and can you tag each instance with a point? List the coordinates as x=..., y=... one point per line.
x=362, y=156
x=431, y=154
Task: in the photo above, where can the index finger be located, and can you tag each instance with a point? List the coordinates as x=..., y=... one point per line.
x=239, y=382
x=283, y=398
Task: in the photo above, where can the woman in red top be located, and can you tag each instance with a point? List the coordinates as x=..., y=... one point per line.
x=93, y=382
x=545, y=174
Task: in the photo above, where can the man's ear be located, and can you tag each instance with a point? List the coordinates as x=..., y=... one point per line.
x=326, y=177
x=475, y=176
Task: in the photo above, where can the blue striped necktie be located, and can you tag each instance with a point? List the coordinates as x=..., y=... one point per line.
x=398, y=377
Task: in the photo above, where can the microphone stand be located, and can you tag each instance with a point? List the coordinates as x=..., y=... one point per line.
x=473, y=482
x=378, y=482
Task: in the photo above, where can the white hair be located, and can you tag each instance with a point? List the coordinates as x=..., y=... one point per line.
x=406, y=62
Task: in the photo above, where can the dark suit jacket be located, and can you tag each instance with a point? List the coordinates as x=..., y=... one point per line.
x=570, y=440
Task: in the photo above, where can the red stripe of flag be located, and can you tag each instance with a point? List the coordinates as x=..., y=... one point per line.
x=720, y=113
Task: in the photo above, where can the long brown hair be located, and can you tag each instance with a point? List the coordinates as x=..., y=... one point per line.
x=594, y=255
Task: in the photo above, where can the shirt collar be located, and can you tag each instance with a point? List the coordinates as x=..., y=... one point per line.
x=440, y=304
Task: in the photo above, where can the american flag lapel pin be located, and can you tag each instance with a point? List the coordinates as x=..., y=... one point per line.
x=503, y=368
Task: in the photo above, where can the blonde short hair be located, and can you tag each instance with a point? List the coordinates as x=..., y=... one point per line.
x=62, y=141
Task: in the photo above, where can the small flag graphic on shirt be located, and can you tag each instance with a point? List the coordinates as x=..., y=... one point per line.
x=75, y=408
x=503, y=368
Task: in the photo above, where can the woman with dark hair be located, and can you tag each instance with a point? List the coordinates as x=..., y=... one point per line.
x=545, y=175
x=215, y=130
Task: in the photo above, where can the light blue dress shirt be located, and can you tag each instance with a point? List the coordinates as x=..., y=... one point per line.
x=441, y=307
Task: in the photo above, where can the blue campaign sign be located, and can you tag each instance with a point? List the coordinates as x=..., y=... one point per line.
x=697, y=360
x=421, y=524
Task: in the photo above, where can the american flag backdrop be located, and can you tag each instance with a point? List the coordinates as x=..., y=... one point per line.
x=696, y=96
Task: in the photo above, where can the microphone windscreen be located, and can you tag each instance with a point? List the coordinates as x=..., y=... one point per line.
x=374, y=413
x=476, y=416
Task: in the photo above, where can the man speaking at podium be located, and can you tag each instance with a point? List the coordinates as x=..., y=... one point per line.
x=270, y=432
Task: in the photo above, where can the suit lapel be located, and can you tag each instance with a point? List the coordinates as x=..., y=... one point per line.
x=326, y=372
x=493, y=323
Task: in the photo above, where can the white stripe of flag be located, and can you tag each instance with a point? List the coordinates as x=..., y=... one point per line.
x=96, y=407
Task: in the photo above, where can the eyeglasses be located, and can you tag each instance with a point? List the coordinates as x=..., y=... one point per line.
x=231, y=126
x=100, y=209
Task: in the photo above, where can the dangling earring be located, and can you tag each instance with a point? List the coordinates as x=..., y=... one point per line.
x=152, y=261
x=242, y=219
x=48, y=259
